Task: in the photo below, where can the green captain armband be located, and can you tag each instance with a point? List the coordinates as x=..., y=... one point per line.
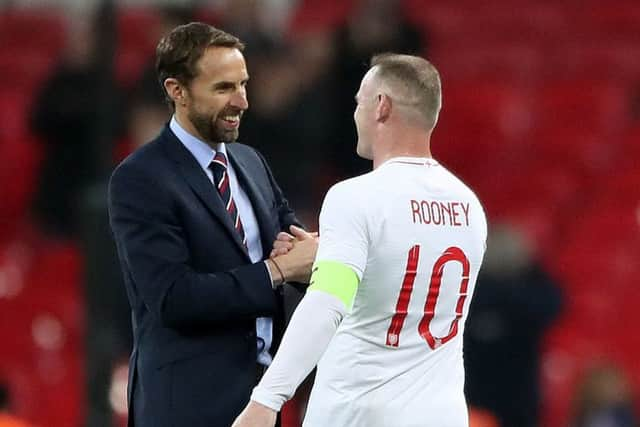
x=335, y=278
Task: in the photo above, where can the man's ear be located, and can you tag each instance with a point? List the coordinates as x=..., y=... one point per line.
x=176, y=91
x=383, y=107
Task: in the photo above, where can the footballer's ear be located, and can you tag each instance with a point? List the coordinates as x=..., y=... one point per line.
x=383, y=107
x=176, y=91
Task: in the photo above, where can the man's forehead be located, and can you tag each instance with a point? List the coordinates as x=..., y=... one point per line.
x=368, y=81
x=369, y=76
x=222, y=60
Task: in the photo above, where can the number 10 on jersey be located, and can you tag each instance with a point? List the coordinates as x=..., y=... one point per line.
x=451, y=254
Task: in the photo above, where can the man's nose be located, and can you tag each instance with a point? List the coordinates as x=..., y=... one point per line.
x=239, y=100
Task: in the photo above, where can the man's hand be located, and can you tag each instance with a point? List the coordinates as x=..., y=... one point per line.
x=296, y=262
x=284, y=241
x=282, y=244
x=256, y=415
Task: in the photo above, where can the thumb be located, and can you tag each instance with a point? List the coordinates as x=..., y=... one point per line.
x=299, y=232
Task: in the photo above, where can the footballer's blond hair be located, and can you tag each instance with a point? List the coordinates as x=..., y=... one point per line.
x=413, y=83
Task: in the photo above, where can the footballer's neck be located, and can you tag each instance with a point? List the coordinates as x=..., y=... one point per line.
x=409, y=144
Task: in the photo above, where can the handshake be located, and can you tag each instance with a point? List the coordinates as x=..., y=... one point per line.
x=293, y=255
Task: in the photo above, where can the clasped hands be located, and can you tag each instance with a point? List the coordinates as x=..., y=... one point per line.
x=293, y=255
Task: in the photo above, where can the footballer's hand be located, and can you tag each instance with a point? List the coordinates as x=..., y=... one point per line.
x=302, y=234
x=256, y=415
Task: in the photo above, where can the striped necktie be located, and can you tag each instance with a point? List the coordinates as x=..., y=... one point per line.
x=221, y=179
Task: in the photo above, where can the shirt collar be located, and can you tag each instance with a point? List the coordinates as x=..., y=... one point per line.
x=418, y=161
x=203, y=153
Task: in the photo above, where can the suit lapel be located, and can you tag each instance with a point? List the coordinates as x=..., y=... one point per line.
x=258, y=203
x=199, y=183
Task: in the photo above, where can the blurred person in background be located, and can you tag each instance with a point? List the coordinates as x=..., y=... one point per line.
x=513, y=305
x=65, y=118
x=253, y=20
x=291, y=93
x=148, y=110
x=604, y=399
x=373, y=26
x=147, y=92
x=7, y=419
x=194, y=215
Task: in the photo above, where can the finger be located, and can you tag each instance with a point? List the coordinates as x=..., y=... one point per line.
x=280, y=244
x=278, y=252
x=284, y=236
x=299, y=232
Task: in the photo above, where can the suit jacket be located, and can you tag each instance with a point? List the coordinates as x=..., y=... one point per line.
x=193, y=290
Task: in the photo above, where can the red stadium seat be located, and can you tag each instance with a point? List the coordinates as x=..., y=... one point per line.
x=566, y=353
x=605, y=21
x=593, y=105
x=15, y=106
x=41, y=30
x=488, y=114
x=207, y=14
x=25, y=69
x=318, y=15
x=439, y=19
x=482, y=23
x=620, y=190
x=536, y=198
x=21, y=159
x=603, y=244
x=595, y=58
x=630, y=149
x=129, y=64
x=483, y=133
x=138, y=33
x=48, y=390
x=587, y=151
x=138, y=28
x=503, y=61
x=42, y=333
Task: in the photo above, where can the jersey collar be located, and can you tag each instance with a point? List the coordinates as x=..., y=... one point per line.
x=415, y=161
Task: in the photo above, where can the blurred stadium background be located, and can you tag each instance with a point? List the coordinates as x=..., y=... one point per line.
x=541, y=117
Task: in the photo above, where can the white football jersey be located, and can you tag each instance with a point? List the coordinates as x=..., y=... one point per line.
x=415, y=235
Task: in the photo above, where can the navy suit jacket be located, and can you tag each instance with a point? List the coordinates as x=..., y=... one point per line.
x=193, y=290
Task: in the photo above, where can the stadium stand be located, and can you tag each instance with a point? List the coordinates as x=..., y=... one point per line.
x=537, y=118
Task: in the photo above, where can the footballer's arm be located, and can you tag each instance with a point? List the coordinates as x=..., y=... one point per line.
x=314, y=323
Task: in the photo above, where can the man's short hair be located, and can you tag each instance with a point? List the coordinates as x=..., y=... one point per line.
x=178, y=53
x=412, y=81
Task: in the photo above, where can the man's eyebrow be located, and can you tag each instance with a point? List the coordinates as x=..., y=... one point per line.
x=223, y=84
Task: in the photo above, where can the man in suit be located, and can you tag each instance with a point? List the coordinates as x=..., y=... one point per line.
x=194, y=215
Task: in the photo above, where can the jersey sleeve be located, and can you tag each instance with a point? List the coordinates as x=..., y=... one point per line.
x=343, y=230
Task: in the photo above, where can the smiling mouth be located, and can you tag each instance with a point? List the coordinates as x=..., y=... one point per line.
x=232, y=121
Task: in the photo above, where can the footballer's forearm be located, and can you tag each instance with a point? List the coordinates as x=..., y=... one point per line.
x=329, y=297
x=312, y=326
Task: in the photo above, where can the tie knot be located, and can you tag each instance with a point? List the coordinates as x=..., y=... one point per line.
x=219, y=161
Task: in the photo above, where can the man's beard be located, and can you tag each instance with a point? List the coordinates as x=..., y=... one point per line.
x=209, y=130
